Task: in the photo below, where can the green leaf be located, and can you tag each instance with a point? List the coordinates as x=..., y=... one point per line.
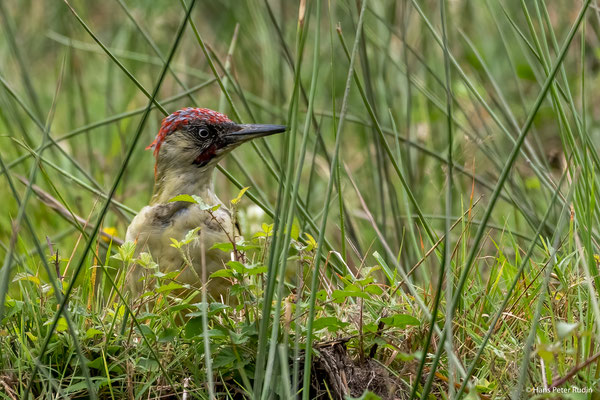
x=97, y=363
x=365, y=396
x=374, y=289
x=545, y=352
x=365, y=281
x=401, y=320
x=256, y=269
x=239, y=196
x=184, y=197
x=190, y=235
x=267, y=230
x=222, y=273
x=227, y=247
x=524, y=71
x=168, y=287
x=12, y=307
x=223, y=358
x=148, y=364
x=311, y=243
x=126, y=252
x=295, y=231
x=83, y=386
x=146, y=261
x=352, y=288
x=167, y=275
x=238, y=338
x=168, y=335
x=195, y=200
x=62, y=325
x=193, y=327
x=321, y=323
x=340, y=295
x=484, y=386
x=321, y=295
x=92, y=332
x=146, y=331
x=204, y=206
x=532, y=183
x=213, y=208
x=236, y=266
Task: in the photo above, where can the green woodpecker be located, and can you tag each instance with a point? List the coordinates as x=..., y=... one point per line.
x=187, y=148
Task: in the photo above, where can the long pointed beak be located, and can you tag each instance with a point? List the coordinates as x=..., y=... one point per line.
x=253, y=131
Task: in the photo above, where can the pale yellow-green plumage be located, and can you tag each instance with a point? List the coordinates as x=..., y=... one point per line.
x=188, y=147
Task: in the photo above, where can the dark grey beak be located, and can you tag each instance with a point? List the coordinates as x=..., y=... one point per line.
x=253, y=131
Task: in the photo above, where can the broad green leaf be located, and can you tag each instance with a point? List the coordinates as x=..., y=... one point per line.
x=400, y=320
x=374, y=289
x=184, y=197
x=148, y=364
x=256, y=269
x=168, y=335
x=222, y=273
x=238, y=338
x=92, y=332
x=97, y=363
x=168, y=287
x=326, y=322
x=236, y=266
x=193, y=329
x=321, y=295
x=365, y=281
x=484, y=386
x=166, y=275
x=340, y=295
x=223, y=358
x=61, y=326
x=227, y=247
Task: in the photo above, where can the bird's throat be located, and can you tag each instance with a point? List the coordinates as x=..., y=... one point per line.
x=193, y=181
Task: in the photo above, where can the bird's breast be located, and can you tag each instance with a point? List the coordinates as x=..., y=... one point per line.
x=155, y=226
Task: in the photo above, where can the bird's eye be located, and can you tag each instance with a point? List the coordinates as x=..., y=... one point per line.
x=203, y=133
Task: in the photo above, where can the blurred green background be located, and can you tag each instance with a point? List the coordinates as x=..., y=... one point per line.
x=390, y=190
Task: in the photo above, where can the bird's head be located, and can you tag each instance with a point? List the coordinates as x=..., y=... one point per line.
x=199, y=138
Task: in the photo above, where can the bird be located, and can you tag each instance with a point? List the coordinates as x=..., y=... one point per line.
x=187, y=148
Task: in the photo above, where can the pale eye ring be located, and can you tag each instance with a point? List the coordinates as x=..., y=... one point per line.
x=203, y=133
